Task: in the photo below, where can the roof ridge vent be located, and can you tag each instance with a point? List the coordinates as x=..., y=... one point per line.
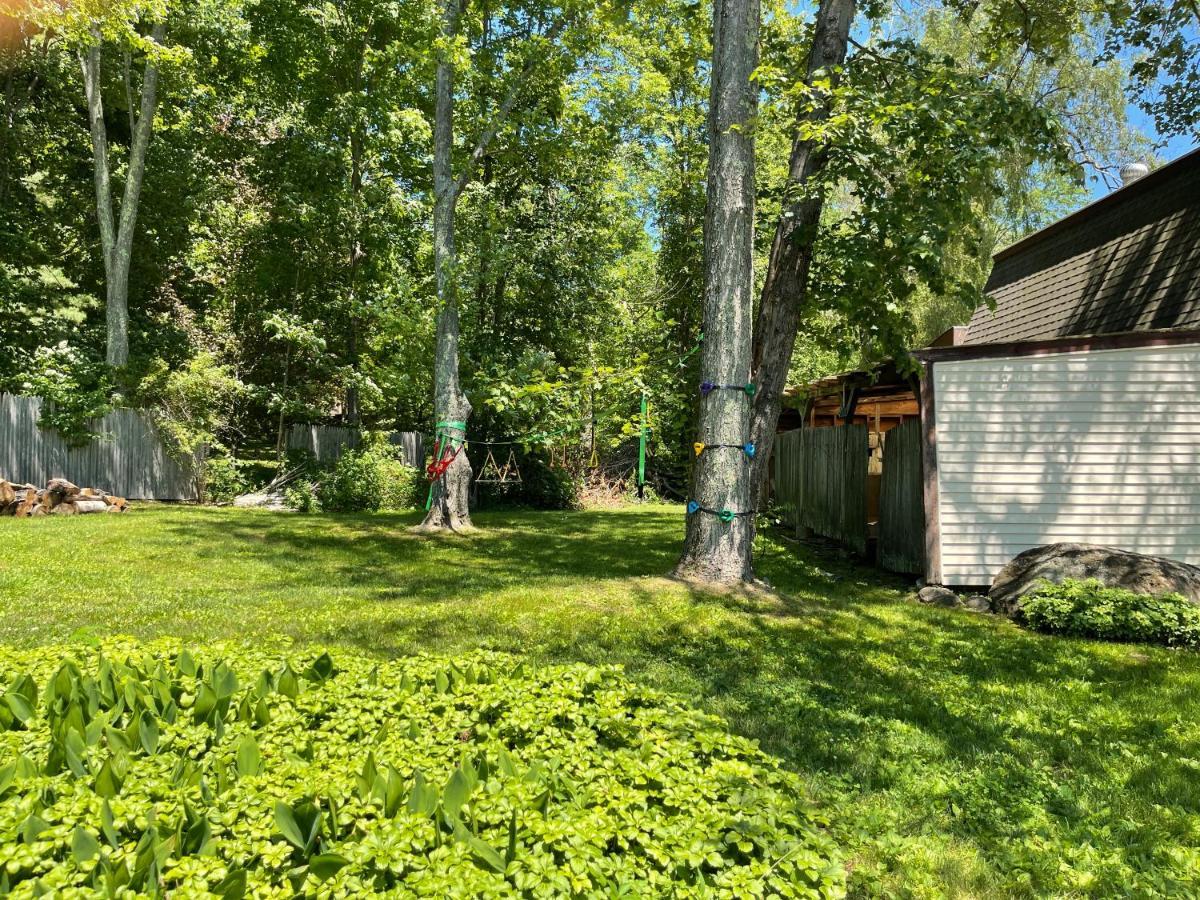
x=1132, y=171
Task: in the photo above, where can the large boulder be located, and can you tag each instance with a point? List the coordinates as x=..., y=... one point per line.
x=1108, y=565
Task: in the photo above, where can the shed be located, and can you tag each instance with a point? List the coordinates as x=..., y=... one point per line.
x=1069, y=408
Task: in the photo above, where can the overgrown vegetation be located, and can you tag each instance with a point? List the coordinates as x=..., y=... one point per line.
x=160, y=769
x=1089, y=609
x=370, y=478
x=953, y=754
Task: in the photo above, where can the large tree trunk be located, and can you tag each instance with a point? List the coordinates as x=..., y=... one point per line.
x=116, y=239
x=786, y=285
x=716, y=550
x=449, y=509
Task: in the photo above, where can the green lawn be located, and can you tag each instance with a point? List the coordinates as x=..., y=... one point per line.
x=955, y=754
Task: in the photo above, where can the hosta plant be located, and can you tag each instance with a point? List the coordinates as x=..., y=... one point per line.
x=156, y=770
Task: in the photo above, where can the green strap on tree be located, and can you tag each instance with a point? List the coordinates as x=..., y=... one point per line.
x=642, y=445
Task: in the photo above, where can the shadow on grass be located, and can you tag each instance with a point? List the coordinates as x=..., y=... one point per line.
x=973, y=727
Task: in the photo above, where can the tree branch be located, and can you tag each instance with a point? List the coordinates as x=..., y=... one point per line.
x=503, y=111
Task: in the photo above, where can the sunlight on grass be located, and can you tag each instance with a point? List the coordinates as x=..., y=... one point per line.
x=956, y=754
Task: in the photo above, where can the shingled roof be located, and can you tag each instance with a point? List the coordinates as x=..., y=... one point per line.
x=1130, y=262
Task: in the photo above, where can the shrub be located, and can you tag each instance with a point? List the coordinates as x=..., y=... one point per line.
x=1089, y=609
x=373, y=477
x=222, y=479
x=75, y=389
x=301, y=496
x=154, y=769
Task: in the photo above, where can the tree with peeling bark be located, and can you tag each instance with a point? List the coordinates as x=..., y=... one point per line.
x=117, y=229
x=449, y=507
x=720, y=525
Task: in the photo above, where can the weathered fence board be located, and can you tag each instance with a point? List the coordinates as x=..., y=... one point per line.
x=328, y=442
x=821, y=481
x=127, y=458
x=901, y=505
x=325, y=442
x=789, y=475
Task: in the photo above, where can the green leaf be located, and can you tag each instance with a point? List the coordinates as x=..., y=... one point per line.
x=285, y=821
x=233, y=886
x=326, y=865
x=288, y=684
x=32, y=828
x=321, y=668
x=108, y=782
x=84, y=845
x=20, y=706
x=456, y=792
x=148, y=732
x=249, y=758
x=511, y=853
x=108, y=825
x=185, y=664
x=423, y=798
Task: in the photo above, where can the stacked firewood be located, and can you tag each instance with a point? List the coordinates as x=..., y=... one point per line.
x=59, y=498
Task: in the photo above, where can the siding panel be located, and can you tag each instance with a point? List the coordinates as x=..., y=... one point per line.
x=1100, y=447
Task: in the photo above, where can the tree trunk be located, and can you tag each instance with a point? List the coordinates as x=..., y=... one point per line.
x=716, y=550
x=116, y=238
x=785, y=287
x=449, y=510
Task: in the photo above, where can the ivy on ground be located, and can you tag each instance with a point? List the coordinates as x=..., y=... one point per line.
x=153, y=769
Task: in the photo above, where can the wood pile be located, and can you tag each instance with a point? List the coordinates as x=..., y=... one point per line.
x=59, y=498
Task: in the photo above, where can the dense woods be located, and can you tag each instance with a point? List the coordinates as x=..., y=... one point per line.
x=245, y=214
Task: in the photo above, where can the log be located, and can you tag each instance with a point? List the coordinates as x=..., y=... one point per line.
x=90, y=506
x=59, y=490
x=7, y=493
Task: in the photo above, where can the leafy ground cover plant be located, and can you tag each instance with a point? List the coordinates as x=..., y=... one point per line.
x=154, y=769
x=1089, y=609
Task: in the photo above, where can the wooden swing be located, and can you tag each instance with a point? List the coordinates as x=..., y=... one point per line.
x=493, y=473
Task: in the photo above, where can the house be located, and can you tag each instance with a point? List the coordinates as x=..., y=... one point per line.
x=1069, y=409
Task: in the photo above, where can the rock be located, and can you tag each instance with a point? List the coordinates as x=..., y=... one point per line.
x=1108, y=565
x=937, y=596
x=977, y=603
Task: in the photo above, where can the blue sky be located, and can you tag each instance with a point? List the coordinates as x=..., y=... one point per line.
x=1175, y=147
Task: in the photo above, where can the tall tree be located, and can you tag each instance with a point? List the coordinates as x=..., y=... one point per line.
x=720, y=527
x=449, y=509
x=117, y=231
x=786, y=282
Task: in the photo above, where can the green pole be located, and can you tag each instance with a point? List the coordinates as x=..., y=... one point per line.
x=642, y=450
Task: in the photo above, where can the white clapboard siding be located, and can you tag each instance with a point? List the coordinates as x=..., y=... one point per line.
x=1100, y=447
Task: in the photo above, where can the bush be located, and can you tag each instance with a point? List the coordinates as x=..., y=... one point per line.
x=75, y=389
x=222, y=479
x=373, y=477
x=1089, y=609
x=154, y=769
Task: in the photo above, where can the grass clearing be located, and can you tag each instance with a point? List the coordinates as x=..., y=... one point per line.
x=956, y=754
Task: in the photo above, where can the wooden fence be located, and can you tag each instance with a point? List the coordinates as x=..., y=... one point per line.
x=821, y=481
x=901, y=502
x=127, y=457
x=328, y=442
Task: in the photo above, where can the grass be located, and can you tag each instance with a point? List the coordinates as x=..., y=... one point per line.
x=956, y=754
